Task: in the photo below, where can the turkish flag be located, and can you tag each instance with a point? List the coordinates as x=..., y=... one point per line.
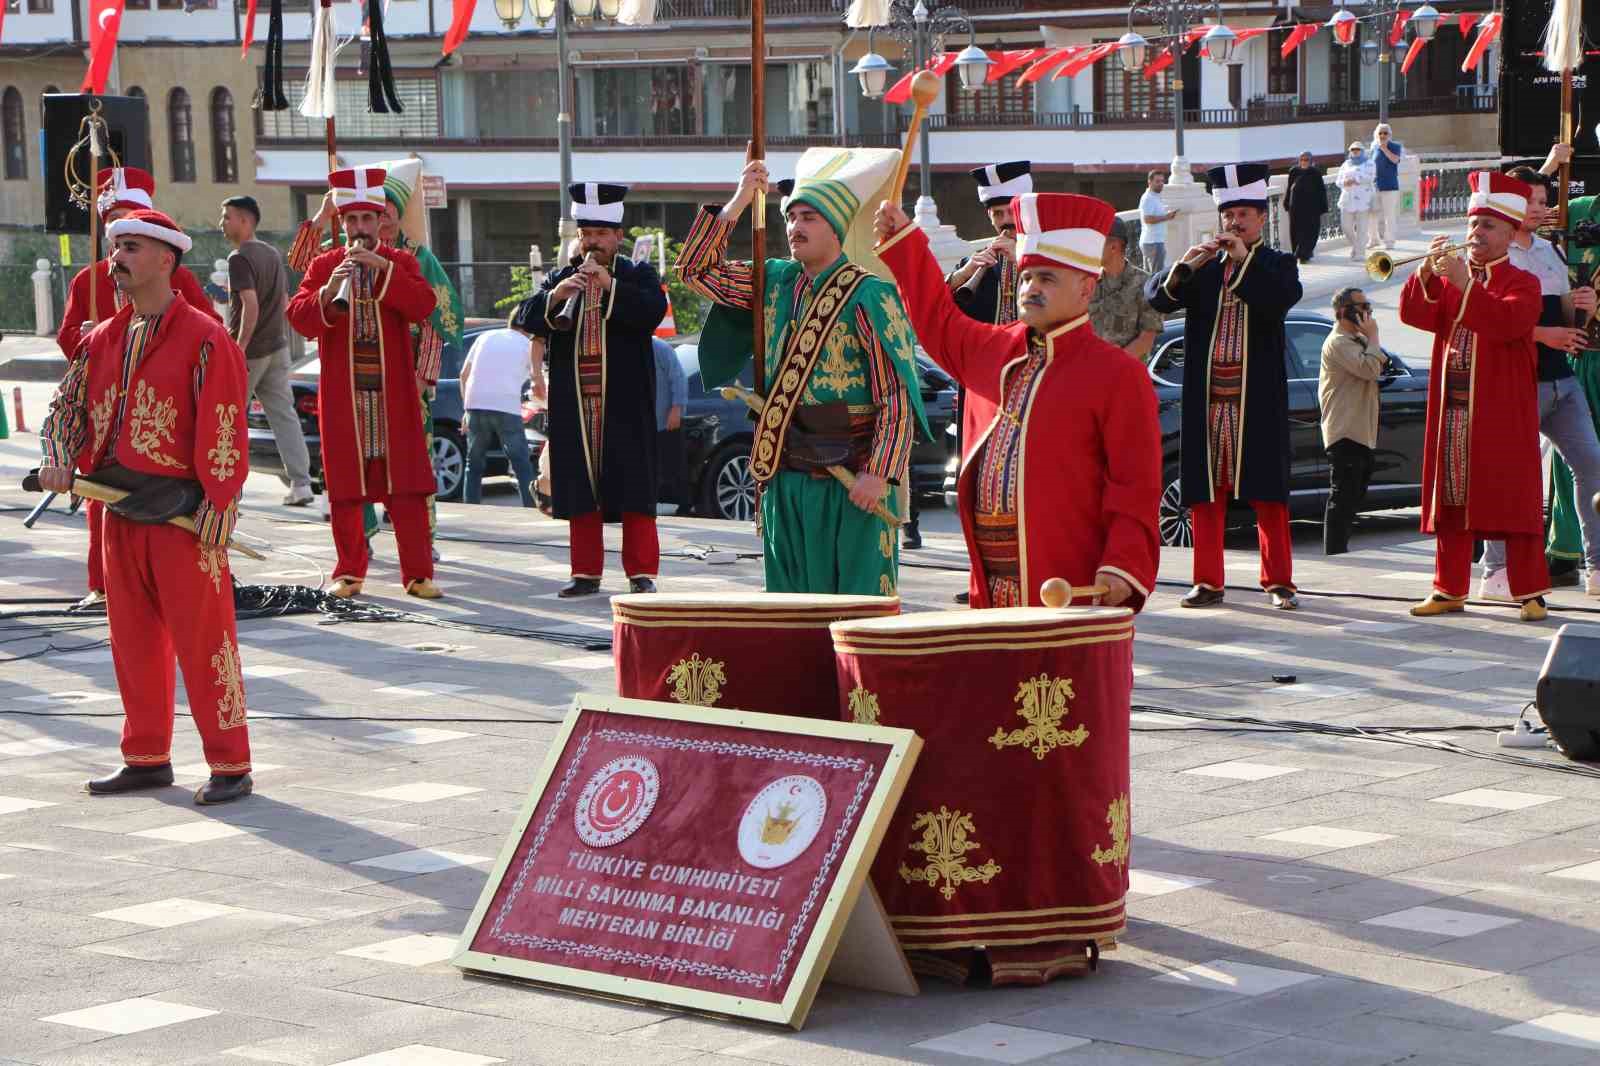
x=105, y=19
x=460, y=22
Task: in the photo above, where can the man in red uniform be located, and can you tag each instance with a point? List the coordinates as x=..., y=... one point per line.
x=1064, y=478
x=157, y=394
x=359, y=303
x=122, y=190
x=1480, y=466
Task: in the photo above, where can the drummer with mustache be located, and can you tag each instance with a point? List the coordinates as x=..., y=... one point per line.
x=1236, y=291
x=1062, y=477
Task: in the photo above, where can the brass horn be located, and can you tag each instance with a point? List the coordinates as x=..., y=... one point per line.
x=1381, y=265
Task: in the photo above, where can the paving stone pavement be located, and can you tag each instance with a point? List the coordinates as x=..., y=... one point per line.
x=1299, y=899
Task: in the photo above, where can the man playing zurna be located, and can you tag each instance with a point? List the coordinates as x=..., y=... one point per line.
x=359, y=303
x=841, y=367
x=985, y=284
x=154, y=403
x=1063, y=478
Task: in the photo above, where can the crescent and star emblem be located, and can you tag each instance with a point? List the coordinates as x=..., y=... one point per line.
x=617, y=799
x=105, y=15
x=621, y=792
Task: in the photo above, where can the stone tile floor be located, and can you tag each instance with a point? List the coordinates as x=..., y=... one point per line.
x=1298, y=899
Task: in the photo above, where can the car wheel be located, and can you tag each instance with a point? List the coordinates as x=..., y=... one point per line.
x=729, y=488
x=1173, y=518
x=449, y=463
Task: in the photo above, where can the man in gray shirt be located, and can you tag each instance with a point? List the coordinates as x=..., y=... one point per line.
x=258, y=287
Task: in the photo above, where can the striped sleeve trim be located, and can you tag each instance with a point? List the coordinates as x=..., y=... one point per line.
x=213, y=526
x=65, y=429
x=702, y=267
x=430, y=354
x=892, y=437
x=307, y=243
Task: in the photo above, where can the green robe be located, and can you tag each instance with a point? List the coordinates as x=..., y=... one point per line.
x=814, y=539
x=1563, y=535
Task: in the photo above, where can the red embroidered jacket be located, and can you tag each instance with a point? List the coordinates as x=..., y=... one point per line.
x=106, y=305
x=173, y=405
x=1090, y=475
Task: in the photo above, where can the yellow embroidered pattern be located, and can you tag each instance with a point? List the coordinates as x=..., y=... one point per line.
x=150, y=424
x=885, y=544
x=896, y=330
x=697, y=681
x=863, y=706
x=100, y=416
x=447, y=314
x=840, y=366
x=223, y=454
x=230, y=705
x=1043, y=703
x=885, y=585
x=945, y=841
x=1117, y=819
x=213, y=564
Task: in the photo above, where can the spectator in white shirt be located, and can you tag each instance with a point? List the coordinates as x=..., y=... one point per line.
x=1154, y=215
x=491, y=394
x=1357, y=196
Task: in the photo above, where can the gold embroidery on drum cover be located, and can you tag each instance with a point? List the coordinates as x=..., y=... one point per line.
x=697, y=681
x=1117, y=819
x=789, y=383
x=863, y=706
x=945, y=843
x=230, y=705
x=1042, y=704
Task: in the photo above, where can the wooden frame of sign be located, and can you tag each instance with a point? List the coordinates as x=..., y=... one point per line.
x=570, y=904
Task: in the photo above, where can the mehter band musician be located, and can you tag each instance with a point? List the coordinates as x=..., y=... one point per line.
x=154, y=402
x=1480, y=468
x=359, y=303
x=1236, y=291
x=841, y=366
x=598, y=319
x=985, y=284
x=1063, y=478
x=122, y=190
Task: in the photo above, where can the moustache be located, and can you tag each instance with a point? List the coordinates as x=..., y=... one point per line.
x=1033, y=301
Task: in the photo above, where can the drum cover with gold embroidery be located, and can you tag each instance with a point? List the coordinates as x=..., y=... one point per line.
x=760, y=651
x=1014, y=829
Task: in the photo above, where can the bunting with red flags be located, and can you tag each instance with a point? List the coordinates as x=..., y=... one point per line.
x=901, y=91
x=249, y=31
x=1048, y=62
x=1298, y=36
x=1159, y=63
x=105, y=20
x=1488, y=30
x=1078, y=64
x=460, y=21
x=1006, y=62
x=1466, y=20
x=1398, y=32
x=1412, y=53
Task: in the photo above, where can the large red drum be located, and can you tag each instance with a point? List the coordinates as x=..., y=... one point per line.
x=751, y=651
x=1012, y=838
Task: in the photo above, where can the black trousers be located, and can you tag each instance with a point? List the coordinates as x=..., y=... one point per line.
x=671, y=466
x=1303, y=230
x=1349, y=471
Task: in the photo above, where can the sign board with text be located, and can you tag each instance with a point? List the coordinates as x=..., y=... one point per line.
x=435, y=196
x=698, y=857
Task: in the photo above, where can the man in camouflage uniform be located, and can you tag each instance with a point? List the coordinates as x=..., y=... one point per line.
x=1118, y=310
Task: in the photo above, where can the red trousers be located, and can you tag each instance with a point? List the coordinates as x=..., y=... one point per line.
x=641, y=550
x=1527, y=572
x=97, y=572
x=1272, y=532
x=409, y=515
x=168, y=599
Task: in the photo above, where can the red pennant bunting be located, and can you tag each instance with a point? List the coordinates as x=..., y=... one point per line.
x=1398, y=33
x=1079, y=64
x=1006, y=62
x=1488, y=31
x=1158, y=64
x=1244, y=35
x=901, y=92
x=1299, y=35
x=460, y=22
x=249, y=30
x=105, y=20
x=1466, y=21
x=1194, y=34
x=1412, y=53
x=1048, y=62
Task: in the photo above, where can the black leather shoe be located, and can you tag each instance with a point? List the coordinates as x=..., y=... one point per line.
x=131, y=779
x=580, y=586
x=1200, y=596
x=1283, y=598
x=641, y=584
x=223, y=788
x=910, y=536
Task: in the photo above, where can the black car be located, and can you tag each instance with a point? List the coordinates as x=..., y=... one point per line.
x=449, y=445
x=1403, y=412
x=718, y=433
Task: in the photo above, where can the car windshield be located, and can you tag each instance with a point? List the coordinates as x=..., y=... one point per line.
x=1168, y=363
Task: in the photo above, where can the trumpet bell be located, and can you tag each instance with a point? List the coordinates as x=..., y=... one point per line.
x=1380, y=265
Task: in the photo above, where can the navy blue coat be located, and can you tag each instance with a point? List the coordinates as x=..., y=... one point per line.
x=1269, y=285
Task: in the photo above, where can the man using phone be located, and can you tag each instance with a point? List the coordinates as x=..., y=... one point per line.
x=1347, y=393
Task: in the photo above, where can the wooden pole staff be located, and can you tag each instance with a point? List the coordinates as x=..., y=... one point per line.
x=924, y=90
x=758, y=220
x=94, y=209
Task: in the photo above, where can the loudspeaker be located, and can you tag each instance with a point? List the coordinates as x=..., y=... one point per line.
x=1568, y=694
x=128, y=123
x=1530, y=96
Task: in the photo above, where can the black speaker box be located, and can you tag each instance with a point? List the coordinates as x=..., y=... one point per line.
x=1568, y=694
x=1530, y=96
x=128, y=123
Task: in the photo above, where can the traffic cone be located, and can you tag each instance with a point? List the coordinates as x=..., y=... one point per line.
x=16, y=402
x=668, y=327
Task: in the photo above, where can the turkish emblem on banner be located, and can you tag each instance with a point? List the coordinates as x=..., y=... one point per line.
x=105, y=20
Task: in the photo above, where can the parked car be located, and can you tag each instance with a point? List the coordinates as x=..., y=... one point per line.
x=1403, y=412
x=718, y=433
x=449, y=445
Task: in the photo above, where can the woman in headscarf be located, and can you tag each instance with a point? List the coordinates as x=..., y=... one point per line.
x=1357, y=195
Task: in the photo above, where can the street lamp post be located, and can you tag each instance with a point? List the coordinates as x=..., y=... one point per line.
x=546, y=11
x=921, y=32
x=1175, y=18
x=1424, y=22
